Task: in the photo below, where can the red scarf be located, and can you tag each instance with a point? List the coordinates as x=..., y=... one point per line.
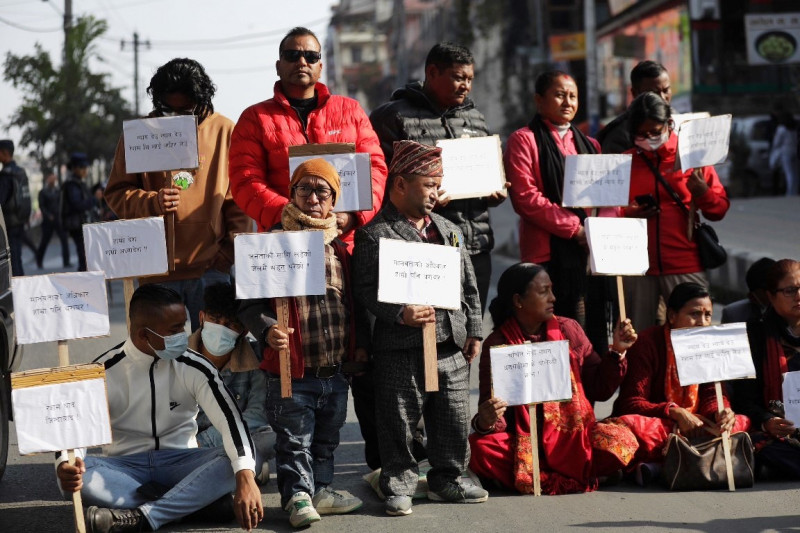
x=685, y=397
x=775, y=366
x=566, y=444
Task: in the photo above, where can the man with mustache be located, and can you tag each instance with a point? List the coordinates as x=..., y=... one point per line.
x=302, y=111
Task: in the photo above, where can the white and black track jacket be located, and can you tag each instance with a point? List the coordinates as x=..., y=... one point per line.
x=153, y=404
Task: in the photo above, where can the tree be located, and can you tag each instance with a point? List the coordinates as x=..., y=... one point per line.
x=67, y=108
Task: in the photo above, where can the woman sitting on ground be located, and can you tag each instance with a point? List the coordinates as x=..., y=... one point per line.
x=651, y=387
x=775, y=346
x=574, y=449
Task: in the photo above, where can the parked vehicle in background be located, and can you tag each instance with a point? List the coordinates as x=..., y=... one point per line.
x=747, y=171
x=10, y=352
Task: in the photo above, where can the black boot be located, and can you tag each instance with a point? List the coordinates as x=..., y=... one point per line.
x=101, y=520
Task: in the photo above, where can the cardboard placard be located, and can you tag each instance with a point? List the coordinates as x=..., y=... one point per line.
x=531, y=372
x=704, y=142
x=597, y=180
x=164, y=143
x=60, y=306
x=417, y=273
x=679, y=118
x=60, y=408
x=274, y=265
x=472, y=166
x=126, y=248
x=355, y=173
x=713, y=353
x=791, y=397
x=617, y=246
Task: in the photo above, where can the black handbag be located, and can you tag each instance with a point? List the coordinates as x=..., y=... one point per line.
x=701, y=466
x=712, y=253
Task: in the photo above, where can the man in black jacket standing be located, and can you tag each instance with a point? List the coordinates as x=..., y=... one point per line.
x=15, y=200
x=50, y=204
x=440, y=108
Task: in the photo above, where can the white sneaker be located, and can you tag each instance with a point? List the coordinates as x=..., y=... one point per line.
x=328, y=501
x=302, y=510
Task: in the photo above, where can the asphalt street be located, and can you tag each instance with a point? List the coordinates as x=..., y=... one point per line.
x=30, y=501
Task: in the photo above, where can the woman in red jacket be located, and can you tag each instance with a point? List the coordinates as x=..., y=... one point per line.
x=673, y=254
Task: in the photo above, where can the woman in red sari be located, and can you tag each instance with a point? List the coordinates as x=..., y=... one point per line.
x=651, y=387
x=574, y=449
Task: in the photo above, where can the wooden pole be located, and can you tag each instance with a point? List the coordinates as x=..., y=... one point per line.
x=127, y=289
x=77, y=504
x=171, y=240
x=285, y=362
x=430, y=357
x=537, y=481
x=621, y=298
x=726, y=440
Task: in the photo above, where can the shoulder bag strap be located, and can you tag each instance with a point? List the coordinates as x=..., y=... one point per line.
x=660, y=178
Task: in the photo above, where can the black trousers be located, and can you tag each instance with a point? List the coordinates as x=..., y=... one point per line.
x=482, y=265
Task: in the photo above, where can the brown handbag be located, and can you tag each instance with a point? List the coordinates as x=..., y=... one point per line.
x=701, y=466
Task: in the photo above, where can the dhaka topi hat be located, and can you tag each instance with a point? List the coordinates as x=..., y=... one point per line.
x=320, y=168
x=413, y=158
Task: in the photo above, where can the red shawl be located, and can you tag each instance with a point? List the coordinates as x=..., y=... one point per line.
x=566, y=444
x=775, y=366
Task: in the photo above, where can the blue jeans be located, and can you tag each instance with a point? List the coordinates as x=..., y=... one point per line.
x=198, y=476
x=307, y=431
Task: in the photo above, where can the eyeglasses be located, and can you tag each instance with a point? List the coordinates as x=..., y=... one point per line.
x=168, y=111
x=653, y=135
x=788, y=292
x=293, y=56
x=304, y=191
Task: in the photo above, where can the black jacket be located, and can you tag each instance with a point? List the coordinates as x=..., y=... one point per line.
x=410, y=115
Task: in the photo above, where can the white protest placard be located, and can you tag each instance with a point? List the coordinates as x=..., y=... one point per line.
x=679, y=118
x=165, y=143
x=58, y=307
x=713, y=353
x=531, y=372
x=617, y=246
x=126, y=248
x=61, y=416
x=472, y=166
x=791, y=397
x=355, y=174
x=704, y=142
x=416, y=273
x=274, y=265
x=597, y=180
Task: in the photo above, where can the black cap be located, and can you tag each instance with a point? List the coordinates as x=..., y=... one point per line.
x=7, y=144
x=78, y=159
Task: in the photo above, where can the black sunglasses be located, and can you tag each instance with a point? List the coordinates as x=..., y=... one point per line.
x=292, y=56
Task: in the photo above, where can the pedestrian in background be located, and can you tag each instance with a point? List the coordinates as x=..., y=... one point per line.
x=77, y=203
x=15, y=199
x=783, y=153
x=49, y=205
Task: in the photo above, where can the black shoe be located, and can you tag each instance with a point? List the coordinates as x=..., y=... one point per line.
x=101, y=520
x=217, y=512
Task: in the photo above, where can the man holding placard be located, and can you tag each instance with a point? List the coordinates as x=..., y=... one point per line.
x=302, y=111
x=397, y=341
x=153, y=473
x=440, y=108
x=321, y=337
x=206, y=217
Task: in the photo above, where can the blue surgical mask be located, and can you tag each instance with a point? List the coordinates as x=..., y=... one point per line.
x=174, y=345
x=217, y=339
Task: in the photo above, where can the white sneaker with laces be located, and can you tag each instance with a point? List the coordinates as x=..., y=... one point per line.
x=329, y=501
x=302, y=510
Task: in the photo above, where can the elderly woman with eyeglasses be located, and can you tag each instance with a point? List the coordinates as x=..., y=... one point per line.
x=775, y=346
x=674, y=258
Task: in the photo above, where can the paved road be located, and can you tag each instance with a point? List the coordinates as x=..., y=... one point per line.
x=29, y=500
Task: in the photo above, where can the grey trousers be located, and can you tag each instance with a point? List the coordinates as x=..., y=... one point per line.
x=400, y=402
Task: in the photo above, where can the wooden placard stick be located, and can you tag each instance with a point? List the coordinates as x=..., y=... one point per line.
x=127, y=290
x=726, y=440
x=77, y=504
x=285, y=362
x=621, y=298
x=536, y=476
x=169, y=221
x=430, y=357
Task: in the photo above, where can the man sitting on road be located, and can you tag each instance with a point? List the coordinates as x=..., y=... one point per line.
x=155, y=384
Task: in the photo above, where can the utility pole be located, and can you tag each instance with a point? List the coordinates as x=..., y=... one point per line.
x=136, y=43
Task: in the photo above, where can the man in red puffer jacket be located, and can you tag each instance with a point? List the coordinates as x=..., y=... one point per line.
x=303, y=111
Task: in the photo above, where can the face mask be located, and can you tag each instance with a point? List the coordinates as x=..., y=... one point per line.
x=651, y=145
x=218, y=339
x=174, y=345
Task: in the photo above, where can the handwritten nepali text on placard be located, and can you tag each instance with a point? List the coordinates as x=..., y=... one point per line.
x=126, y=248
x=704, y=141
x=791, y=397
x=597, y=180
x=713, y=353
x=617, y=246
x=272, y=265
x=472, y=166
x=419, y=273
x=165, y=143
x=60, y=307
x=532, y=372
